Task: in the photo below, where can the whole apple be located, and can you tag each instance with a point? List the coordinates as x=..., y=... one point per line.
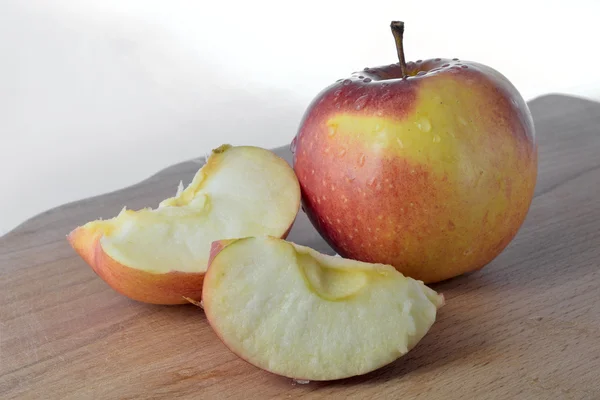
x=429, y=166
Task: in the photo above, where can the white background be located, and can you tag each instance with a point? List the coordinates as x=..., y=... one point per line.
x=96, y=95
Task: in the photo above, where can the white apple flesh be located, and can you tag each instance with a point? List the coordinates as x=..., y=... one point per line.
x=298, y=313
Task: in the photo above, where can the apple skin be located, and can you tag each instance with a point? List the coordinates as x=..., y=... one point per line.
x=433, y=174
x=166, y=289
x=169, y=288
x=217, y=246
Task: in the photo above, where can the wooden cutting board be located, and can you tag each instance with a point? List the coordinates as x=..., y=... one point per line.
x=525, y=327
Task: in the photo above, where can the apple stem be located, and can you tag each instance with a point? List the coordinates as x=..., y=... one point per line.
x=398, y=32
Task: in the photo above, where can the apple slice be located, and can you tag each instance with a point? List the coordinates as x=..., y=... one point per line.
x=160, y=255
x=298, y=313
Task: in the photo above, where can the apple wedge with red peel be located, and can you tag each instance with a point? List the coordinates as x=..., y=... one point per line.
x=160, y=255
x=295, y=312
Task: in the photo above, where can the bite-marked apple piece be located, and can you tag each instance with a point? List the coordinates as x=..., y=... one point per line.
x=293, y=311
x=160, y=255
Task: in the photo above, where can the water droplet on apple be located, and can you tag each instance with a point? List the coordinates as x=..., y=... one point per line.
x=337, y=92
x=360, y=77
x=437, y=139
x=424, y=125
x=419, y=61
x=361, y=160
x=293, y=144
x=455, y=59
x=367, y=80
x=384, y=84
x=438, y=59
x=464, y=66
x=361, y=101
x=347, y=82
x=421, y=73
x=367, y=69
x=445, y=65
x=331, y=130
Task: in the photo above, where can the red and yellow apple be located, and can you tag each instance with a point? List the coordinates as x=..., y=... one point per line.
x=298, y=313
x=429, y=166
x=160, y=255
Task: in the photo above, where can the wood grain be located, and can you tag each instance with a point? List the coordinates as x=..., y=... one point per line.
x=525, y=327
